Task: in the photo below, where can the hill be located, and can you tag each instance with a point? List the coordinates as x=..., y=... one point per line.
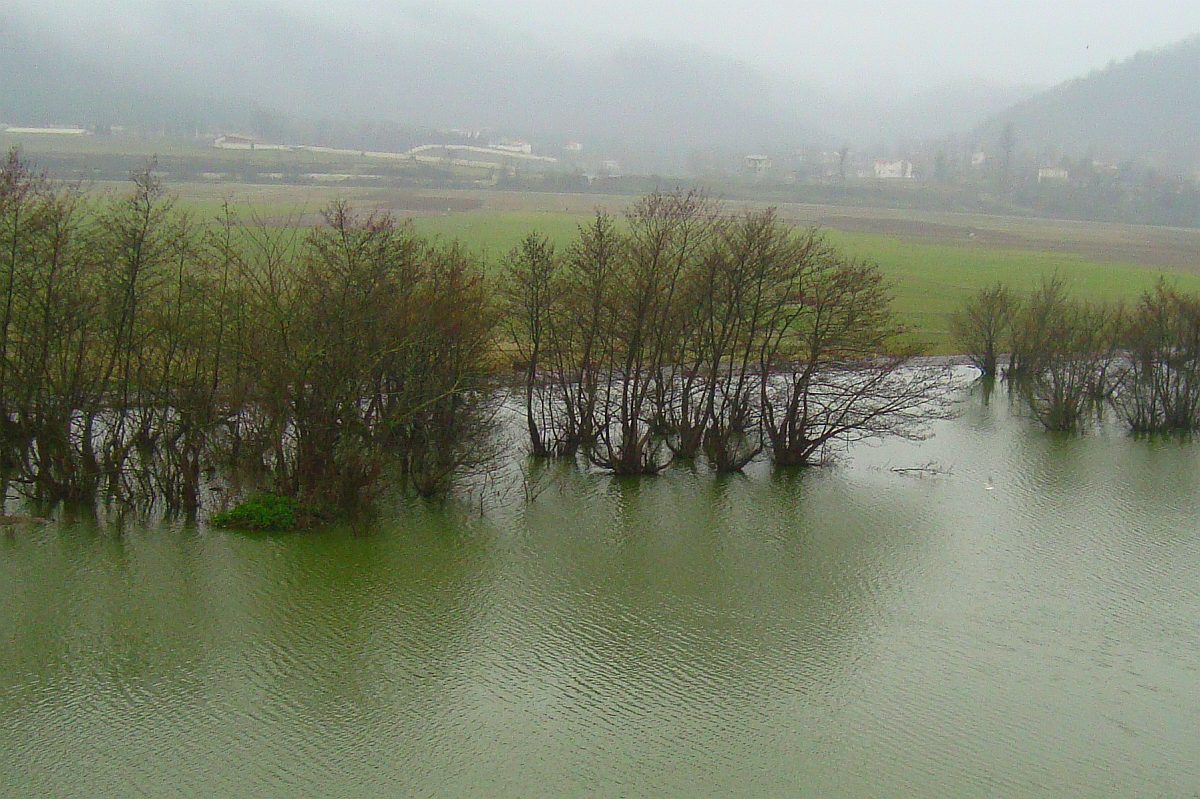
x=1146, y=108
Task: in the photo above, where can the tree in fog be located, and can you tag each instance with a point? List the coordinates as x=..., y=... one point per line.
x=1008, y=145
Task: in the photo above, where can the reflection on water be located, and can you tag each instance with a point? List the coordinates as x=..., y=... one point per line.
x=845, y=632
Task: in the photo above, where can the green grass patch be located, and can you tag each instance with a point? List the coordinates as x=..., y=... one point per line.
x=491, y=235
x=265, y=513
x=933, y=280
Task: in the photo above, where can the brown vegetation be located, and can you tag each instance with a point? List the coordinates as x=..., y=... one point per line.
x=1070, y=359
x=694, y=331
x=140, y=355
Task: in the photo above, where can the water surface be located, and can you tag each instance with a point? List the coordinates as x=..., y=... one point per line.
x=1025, y=624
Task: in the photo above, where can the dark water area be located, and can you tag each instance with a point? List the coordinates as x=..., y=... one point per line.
x=1023, y=622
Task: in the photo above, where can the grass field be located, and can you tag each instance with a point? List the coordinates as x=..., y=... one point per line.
x=934, y=260
x=930, y=280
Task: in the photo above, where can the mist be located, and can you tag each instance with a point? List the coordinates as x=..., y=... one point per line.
x=659, y=80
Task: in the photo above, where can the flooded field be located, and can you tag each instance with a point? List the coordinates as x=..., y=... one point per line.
x=1019, y=621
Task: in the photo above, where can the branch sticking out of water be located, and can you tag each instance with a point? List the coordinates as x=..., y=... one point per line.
x=930, y=469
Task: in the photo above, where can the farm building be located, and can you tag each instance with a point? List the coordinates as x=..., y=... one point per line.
x=233, y=141
x=51, y=131
x=757, y=164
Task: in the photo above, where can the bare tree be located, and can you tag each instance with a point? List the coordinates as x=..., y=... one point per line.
x=1067, y=351
x=836, y=367
x=1160, y=391
x=750, y=286
x=984, y=326
x=667, y=233
x=529, y=295
x=580, y=344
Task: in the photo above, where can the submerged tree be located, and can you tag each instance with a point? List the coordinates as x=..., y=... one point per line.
x=983, y=327
x=837, y=367
x=373, y=351
x=529, y=295
x=52, y=335
x=695, y=332
x=667, y=234
x=141, y=354
x=750, y=291
x=1161, y=389
x=1076, y=374
x=1067, y=354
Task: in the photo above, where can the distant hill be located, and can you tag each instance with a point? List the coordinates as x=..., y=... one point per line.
x=1145, y=108
x=44, y=82
x=183, y=70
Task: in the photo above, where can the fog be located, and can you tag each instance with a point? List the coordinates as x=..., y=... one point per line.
x=856, y=45
x=702, y=73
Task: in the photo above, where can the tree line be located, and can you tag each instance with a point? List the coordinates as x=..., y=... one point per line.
x=145, y=357
x=1072, y=359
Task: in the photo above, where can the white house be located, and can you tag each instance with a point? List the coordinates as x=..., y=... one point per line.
x=1053, y=174
x=573, y=147
x=893, y=170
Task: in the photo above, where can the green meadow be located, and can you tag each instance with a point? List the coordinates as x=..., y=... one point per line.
x=930, y=280
x=931, y=276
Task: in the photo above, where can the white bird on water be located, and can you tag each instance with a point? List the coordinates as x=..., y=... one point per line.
x=989, y=486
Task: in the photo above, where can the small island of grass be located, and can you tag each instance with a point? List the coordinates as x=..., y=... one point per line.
x=265, y=513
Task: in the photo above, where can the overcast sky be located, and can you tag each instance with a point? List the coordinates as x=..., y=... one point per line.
x=855, y=45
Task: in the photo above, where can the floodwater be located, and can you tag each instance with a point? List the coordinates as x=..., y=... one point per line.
x=1023, y=622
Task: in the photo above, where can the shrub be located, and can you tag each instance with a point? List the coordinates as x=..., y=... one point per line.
x=266, y=512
